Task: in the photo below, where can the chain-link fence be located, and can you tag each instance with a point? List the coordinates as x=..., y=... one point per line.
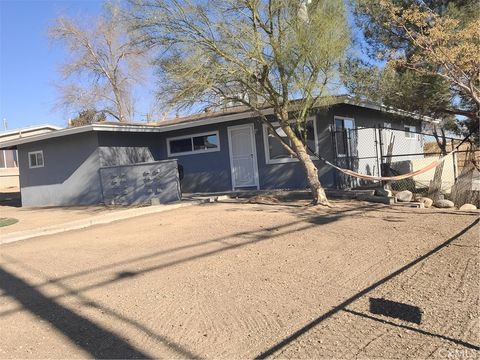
x=389, y=152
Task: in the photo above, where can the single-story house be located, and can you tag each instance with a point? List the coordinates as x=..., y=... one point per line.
x=9, y=158
x=215, y=152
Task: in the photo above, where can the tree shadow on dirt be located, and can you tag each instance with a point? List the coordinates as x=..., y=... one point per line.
x=56, y=311
x=97, y=341
x=411, y=328
x=247, y=238
x=342, y=306
x=100, y=342
x=31, y=299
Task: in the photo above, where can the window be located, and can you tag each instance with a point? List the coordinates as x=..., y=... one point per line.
x=193, y=144
x=35, y=159
x=387, y=125
x=275, y=153
x=409, y=132
x=343, y=134
x=8, y=159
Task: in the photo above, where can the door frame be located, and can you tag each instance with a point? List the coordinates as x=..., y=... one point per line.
x=346, y=140
x=254, y=149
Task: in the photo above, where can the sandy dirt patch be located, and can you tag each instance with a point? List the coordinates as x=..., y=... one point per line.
x=246, y=280
x=33, y=218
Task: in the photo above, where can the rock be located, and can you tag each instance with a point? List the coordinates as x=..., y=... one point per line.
x=404, y=196
x=468, y=207
x=383, y=192
x=443, y=204
x=427, y=202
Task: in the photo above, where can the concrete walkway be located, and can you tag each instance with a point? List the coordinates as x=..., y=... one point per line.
x=104, y=218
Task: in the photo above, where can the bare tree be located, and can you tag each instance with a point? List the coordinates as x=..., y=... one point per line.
x=87, y=117
x=278, y=54
x=103, y=67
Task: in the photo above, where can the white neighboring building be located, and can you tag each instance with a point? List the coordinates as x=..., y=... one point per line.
x=9, y=158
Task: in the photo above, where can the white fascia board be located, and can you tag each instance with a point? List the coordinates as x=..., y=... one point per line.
x=183, y=125
x=132, y=128
x=29, y=129
x=390, y=109
x=215, y=120
x=193, y=123
x=45, y=136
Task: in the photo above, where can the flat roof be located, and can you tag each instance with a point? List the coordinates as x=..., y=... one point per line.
x=28, y=129
x=207, y=118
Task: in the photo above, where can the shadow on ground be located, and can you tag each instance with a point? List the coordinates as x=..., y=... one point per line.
x=10, y=198
x=104, y=343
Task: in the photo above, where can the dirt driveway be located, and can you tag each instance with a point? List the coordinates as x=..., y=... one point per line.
x=34, y=218
x=242, y=281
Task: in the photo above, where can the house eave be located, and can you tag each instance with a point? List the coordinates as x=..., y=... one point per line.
x=160, y=128
x=388, y=109
x=129, y=128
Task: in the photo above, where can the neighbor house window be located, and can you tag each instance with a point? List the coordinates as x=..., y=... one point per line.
x=410, y=132
x=8, y=159
x=193, y=144
x=35, y=159
x=275, y=153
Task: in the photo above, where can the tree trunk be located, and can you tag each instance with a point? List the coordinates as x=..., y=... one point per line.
x=311, y=171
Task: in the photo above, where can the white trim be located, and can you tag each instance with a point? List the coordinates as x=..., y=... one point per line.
x=290, y=159
x=28, y=129
x=216, y=119
x=335, y=117
x=254, y=149
x=389, y=109
x=191, y=139
x=30, y=162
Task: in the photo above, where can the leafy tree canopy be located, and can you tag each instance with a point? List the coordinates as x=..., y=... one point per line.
x=430, y=49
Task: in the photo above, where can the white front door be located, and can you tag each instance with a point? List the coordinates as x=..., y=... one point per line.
x=243, y=156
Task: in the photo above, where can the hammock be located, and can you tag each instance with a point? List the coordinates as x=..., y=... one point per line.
x=431, y=166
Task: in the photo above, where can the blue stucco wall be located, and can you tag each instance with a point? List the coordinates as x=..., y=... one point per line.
x=210, y=172
x=70, y=172
x=141, y=183
x=121, y=148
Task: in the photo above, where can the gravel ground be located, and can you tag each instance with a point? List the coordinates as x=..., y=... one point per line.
x=236, y=281
x=34, y=218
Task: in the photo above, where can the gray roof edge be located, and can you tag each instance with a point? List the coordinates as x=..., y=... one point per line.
x=44, y=136
x=28, y=129
x=196, y=122
x=389, y=109
x=125, y=128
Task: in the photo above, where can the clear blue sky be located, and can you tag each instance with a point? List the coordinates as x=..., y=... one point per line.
x=29, y=61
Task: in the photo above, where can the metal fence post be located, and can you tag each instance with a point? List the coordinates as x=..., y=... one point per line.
x=454, y=159
x=348, y=152
x=335, y=156
x=381, y=153
x=376, y=150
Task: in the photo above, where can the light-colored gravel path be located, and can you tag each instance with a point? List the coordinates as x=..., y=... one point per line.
x=240, y=281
